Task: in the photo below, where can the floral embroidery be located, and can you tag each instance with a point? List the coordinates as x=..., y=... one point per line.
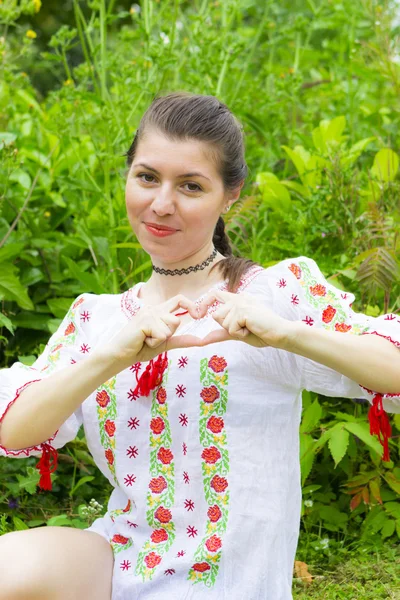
x=106, y=400
x=327, y=300
x=119, y=542
x=161, y=494
x=215, y=468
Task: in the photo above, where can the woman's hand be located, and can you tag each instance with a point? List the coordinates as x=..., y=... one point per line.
x=245, y=319
x=151, y=332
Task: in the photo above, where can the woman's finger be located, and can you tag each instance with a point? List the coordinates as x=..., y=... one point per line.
x=180, y=301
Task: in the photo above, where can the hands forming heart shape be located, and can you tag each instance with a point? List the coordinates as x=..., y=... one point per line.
x=241, y=317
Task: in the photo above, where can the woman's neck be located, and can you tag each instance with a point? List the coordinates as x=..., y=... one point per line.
x=162, y=287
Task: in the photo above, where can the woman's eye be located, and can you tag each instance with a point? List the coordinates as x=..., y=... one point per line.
x=195, y=185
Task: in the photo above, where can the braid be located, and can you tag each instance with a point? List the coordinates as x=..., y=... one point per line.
x=221, y=240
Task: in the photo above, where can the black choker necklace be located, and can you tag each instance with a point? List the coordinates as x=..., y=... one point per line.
x=189, y=269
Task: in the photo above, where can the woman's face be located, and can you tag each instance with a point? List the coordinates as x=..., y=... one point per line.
x=174, y=184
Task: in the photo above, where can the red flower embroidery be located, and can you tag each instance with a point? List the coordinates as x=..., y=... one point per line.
x=214, y=543
x=157, y=425
x=161, y=395
x=163, y=515
x=158, y=536
x=109, y=456
x=165, y=456
x=215, y=424
x=60, y=346
x=120, y=539
x=318, y=290
x=342, y=327
x=219, y=484
x=70, y=329
x=217, y=363
x=102, y=398
x=211, y=455
x=157, y=484
x=295, y=270
x=109, y=426
x=214, y=513
x=210, y=394
x=152, y=560
x=78, y=302
x=201, y=567
x=328, y=314
x=127, y=507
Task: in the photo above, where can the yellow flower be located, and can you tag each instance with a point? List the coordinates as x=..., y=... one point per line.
x=47, y=213
x=31, y=34
x=37, y=4
x=68, y=82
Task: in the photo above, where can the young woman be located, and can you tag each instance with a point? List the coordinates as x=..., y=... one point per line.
x=189, y=389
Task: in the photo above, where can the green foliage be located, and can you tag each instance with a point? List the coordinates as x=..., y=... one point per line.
x=316, y=86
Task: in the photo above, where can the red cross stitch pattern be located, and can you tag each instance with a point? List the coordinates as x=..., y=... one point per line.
x=85, y=316
x=133, y=423
x=180, y=390
x=182, y=362
x=186, y=477
x=132, y=395
x=132, y=452
x=189, y=505
x=125, y=565
x=281, y=283
x=183, y=420
x=129, y=479
x=184, y=448
x=84, y=348
x=191, y=531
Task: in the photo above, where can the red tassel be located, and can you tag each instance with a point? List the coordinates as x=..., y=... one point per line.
x=44, y=466
x=152, y=376
x=379, y=424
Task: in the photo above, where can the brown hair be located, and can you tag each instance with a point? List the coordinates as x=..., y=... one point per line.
x=182, y=116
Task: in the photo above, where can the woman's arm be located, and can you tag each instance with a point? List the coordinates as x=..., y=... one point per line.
x=370, y=360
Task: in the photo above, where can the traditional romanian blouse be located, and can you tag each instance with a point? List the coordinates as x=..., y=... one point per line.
x=206, y=474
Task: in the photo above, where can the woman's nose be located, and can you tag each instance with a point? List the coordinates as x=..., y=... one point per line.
x=164, y=202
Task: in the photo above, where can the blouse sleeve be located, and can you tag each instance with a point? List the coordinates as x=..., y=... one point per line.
x=302, y=293
x=67, y=345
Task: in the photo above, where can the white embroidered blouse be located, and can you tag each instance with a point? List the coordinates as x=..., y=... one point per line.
x=206, y=474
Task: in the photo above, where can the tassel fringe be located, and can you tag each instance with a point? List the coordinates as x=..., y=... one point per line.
x=46, y=467
x=379, y=424
x=152, y=376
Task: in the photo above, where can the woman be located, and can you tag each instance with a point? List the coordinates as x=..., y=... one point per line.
x=189, y=389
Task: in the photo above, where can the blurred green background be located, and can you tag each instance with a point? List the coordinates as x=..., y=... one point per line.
x=316, y=85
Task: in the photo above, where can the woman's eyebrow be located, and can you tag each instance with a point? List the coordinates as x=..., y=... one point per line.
x=193, y=174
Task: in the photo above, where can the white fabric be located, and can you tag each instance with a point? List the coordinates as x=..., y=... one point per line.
x=254, y=485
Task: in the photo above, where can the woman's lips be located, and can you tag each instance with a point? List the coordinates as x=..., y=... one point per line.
x=158, y=232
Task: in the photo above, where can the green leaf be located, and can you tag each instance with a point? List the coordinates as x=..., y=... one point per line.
x=59, y=520
x=32, y=320
x=59, y=306
x=386, y=165
x=5, y=322
x=79, y=483
x=6, y=138
x=307, y=455
x=388, y=528
x=361, y=430
x=311, y=417
x=338, y=443
x=392, y=481
x=29, y=483
x=393, y=509
x=19, y=524
x=11, y=250
x=89, y=280
x=297, y=187
x=12, y=289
